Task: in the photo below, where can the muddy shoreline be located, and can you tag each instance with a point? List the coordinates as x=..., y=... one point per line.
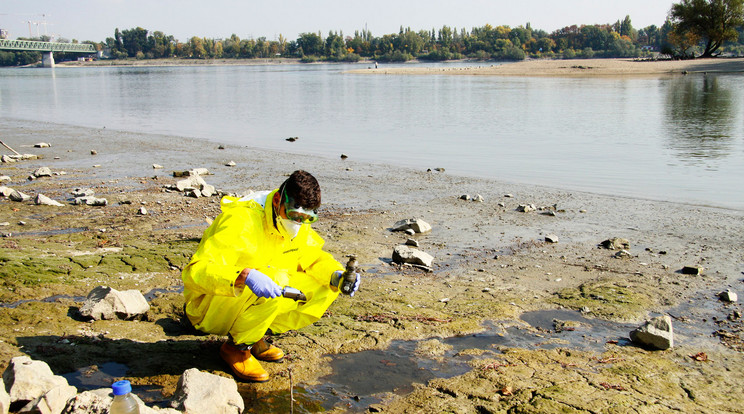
x=492, y=264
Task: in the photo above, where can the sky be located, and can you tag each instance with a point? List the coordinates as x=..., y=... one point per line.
x=97, y=19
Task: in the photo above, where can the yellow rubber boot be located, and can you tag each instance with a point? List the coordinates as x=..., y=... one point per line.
x=243, y=364
x=264, y=351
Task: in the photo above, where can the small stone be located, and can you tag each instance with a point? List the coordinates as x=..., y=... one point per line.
x=344, y=156
x=551, y=238
x=221, y=147
x=93, y=152
x=615, y=243
x=41, y=199
x=478, y=198
x=231, y=164
x=142, y=211
x=157, y=167
x=692, y=270
x=622, y=254
x=656, y=333
x=412, y=242
x=728, y=296
x=508, y=195
x=42, y=145
x=526, y=208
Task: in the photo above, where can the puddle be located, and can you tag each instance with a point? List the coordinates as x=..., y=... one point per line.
x=50, y=299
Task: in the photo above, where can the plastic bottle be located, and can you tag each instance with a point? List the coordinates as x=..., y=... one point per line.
x=124, y=402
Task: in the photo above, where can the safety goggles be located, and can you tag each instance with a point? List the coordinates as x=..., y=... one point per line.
x=298, y=214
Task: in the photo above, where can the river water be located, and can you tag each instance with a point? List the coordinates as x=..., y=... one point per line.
x=672, y=138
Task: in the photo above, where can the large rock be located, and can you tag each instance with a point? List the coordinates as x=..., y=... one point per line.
x=193, y=181
x=16, y=195
x=417, y=225
x=201, y=392
x=656, y=333
x=90, y=402
x=43, y=172
x=90, y=201
x=407, y=254
x=104, y=302
x=4, y=399
x=5, y=191
x=43, y=200
x=52, y=402
x=27, y=380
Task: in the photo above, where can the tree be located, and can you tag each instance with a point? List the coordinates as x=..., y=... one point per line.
x=711, y=21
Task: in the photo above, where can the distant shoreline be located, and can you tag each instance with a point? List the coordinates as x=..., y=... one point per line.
x=530, y=67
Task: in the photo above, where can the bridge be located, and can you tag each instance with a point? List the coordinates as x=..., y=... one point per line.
x=47, y=48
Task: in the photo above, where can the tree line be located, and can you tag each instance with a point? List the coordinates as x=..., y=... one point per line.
x=702, y=27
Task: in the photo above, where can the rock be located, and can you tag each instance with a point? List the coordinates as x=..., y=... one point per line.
x=478, y=198
x=465, y=197
x=4, y=398
x=178, y=174
x=142, y=211
x=622, y=254
x=728, y=296
x=90, y=201
x=108, y=303
x=526, y=208
x=344, y=156
x=82, y=192
x=508, y=195
x=43, y=200
x=656, y=333
x=292, y=139
x=231, y=164
x=7, y=159
x=4, y=178
x=89, y=402
x=192, y=192
x=157, y=167
x=27, y=380
x=42, y=145
x=615, y=243
x=42, y=172
x=551, y=238
x=406, y=254
x=52, y=402
x=412, y=242
x=202, y=392
x=208, y=190
x=692, y=270
x=200, y=171
x=194, y=181
x=221, y=147
x=93, y=152
x=417, y=225
x=5, y=191
x=19, y=196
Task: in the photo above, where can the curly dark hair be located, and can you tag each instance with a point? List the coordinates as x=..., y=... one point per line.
x=303, y=188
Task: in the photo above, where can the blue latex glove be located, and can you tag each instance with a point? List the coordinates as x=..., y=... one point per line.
x=337, y=279
x=262, y=285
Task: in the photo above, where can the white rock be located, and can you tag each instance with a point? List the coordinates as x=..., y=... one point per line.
x=5, y=191
x=90, y=200
x=193, y=181
x=95, y=401
x=526, y=208
x=728, y=296
x=82, y=192
x=108, y=303
x=41, y=199
x=157, y=167
x=42, y=145
x=52, y=402
x=4, y=178
x=200, y=171
x=16, y=195
x=551, y=238
x=231, y=164
x=417, y=225
x=4, y=398
x=656, y=333
x=406, y=254
x=202, y=392
x=28, y=379
x=142, y=211
x=43, y=172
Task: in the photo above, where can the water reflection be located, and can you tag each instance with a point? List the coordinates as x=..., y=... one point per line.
x=699, y=118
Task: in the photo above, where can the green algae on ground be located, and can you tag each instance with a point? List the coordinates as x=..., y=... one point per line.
x=613, y=300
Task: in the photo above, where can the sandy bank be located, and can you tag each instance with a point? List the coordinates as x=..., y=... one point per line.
x=576, y=68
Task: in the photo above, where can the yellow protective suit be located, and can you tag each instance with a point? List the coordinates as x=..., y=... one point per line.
x=244, y=236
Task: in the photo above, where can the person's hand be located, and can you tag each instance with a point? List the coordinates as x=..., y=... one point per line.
x=337, y=281
x=262, y=285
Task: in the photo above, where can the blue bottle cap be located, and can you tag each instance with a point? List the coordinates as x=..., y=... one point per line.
x=121, y=387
